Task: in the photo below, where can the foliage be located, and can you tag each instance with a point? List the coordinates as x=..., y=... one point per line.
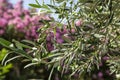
x=4, y=69
x=89, y=39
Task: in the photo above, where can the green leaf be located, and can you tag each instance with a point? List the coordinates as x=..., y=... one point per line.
x=29, y=42
x=37, y=2
x=49, y=78
x=59, y=1
x=54, y=55
x=45, y=11
x=3, y=60
x=3, y=52
x=66, y=39
x=45, y=7
x=6, y=68
x=35, y=5
x=4, y=42
x=11, y=59
x=21, y=52
x=31, y=64
x=98, y=35
x=17, y=44
x=54, y=7
x=20, y=45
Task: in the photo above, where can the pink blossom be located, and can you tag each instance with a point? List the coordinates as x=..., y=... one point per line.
x=100, y=74
x=50, y=46
x=1, y=32
x=46, y=17
x=1, y=11
x=73, y=30
x=11, y=22
x=3, y=1
x=105, y=58
x=35, y=20
x=101, y=64
x=17, y=20
x=78, y=23
x=58, y=35
x=20, y=27
x=27, y=20
x=59, y=40
x=3, y=22
x=16, y=13
x=107, y=72
x=31, y=33
x=26, y=12
x=49, y=37
x=7, y=15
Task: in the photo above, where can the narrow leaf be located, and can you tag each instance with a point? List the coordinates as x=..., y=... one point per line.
x=29, y=42
x=11, y=59
x=35, y=5
x=31, y=64
x=20, y=45
x=21, y=52
x=4, y=42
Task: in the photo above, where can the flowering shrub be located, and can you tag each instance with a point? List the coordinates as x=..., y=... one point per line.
x=17, y=22
x=87, y=48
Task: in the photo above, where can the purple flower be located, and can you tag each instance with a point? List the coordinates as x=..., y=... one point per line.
x=1, y=32
x=20, y=27
x=48, y=38
x=59, y=40
x=27, y=17
x=7, y=15
x=27, y=20
x=11, y=22
x=58, y=35
x=64, y=31
x=58, y=30
x=101, y=64
x=31, y=33
x=1, y=11
x=3, y=22
x=105, y=58
x=17, y=20
x=46, y=17
x=17, y=13
x=35, y=20
x=3, y=1
x=78, y=23
x=26, y=12
x=50, y=46
x=100, y=74
x=107, y=72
